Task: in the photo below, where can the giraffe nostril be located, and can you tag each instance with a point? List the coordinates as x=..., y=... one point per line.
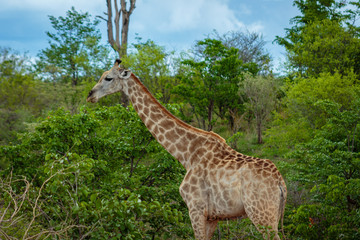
x=90, y=93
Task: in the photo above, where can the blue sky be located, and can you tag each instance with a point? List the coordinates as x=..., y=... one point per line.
x=175, y=24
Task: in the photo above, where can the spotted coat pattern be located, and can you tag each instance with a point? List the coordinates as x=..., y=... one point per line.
x=220, y=183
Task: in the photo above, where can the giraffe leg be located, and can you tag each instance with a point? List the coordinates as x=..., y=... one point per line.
x=210, y=228
x=198, y=222
x=266, y=223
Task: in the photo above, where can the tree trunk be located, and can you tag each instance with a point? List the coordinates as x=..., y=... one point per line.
x=258, y=130
x=210, y=115
x=120, y=48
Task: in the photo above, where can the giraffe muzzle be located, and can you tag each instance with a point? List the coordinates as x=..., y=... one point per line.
x=91, y=98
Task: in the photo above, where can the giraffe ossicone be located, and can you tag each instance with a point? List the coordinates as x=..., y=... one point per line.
x=220, y=183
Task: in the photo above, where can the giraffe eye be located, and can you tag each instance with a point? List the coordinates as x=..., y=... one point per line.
x=108, y=79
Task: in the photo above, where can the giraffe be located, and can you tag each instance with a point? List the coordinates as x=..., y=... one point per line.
x=220, y=183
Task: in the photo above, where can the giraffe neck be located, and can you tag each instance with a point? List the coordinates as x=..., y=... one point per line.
x=184, y=142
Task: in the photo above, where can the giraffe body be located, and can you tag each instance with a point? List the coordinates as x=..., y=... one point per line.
x=220, y=183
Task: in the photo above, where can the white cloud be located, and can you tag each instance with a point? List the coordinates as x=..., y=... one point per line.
x=56, y=7
x=187, y=15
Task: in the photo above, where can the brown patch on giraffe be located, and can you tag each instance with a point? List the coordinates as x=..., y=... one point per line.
x=156, y=116
x=156, y=130
x=172, y=149
x=170, y=136
x=209, y=156
x=154, y=109
x=196, y=194
x=239, y=159
x=182, y=146
x=161, y=138
x=267, y=170
x=265, y=174
x=146, y=111
x=185, y=187
x=166, y=144
x=167, y=124
x=193, y=180
x=230, y=166
x=146, y=99
x=190, y=136
x=161, y=129
x=195, y=144
x=180, y=131
x=136, y=108
x=220, y=154
x=149, y=123
x=130, y=84
x=193, y=189
x=193, y=159
x=140, y=100
x=142, y=116
x=200, y=152
x=216, y=161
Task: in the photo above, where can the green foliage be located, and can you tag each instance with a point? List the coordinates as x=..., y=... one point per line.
x=311, y=11
x=152, y=65
x=261, y=93
x=75, y=52
x=325, y=46
x=97, y=173
x=19, y=96
x=324, y=38
x=211, y=86
x=100, y=172
x=328, y=162
x=331, y=216
x=304, y=113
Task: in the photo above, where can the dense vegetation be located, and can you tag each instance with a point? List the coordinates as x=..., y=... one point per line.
x=71, y=170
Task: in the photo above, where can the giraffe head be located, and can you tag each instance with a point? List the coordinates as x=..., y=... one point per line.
x=111, y=81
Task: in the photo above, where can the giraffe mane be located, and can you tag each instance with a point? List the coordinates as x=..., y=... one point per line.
x=180, y=122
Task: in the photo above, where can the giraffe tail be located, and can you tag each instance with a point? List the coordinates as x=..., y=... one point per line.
x=282, y=207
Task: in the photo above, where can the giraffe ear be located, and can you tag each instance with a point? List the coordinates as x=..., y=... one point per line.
x=126, y=74
x=117, y=62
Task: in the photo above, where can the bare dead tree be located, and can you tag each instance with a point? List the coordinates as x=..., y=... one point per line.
x=119, y=45
x=15, y=217
x=251, y=47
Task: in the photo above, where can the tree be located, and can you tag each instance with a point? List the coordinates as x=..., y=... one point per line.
x=326, y=46
x=261, y=93
x=19, y=96
x=75, y=50
x=329, y=165
x=211, y=86
x=323, y=38
x=312, y=11
x=120, y=48
x=152, y=64
x=250, y=46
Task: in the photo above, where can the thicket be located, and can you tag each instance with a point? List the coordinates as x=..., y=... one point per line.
x=69, y=170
